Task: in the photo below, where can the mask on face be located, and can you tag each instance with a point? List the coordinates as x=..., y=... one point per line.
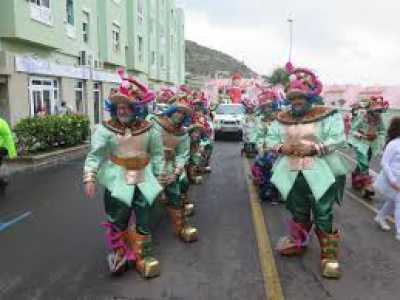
x=364, y=104
x=300, y=112
x=177, y=119
x=127, y=120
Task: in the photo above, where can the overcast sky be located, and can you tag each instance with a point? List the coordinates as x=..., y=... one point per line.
x=345, y=41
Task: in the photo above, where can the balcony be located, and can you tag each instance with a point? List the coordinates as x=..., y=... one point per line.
x=70, y=30
x=41, y=14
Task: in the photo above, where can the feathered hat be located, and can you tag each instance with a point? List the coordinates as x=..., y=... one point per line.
x=267, y=96
x=131, y=91
x=181, y=103
x=375, y=103
x=302, y=83
x=236, y=76
x=184, y=90
x=166, y=94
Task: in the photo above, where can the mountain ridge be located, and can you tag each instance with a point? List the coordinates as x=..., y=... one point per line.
x=204, y=61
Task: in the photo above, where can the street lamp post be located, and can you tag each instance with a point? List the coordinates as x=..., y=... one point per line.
x=290, y=21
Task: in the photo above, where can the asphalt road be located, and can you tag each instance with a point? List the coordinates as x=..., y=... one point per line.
x=369, y=257
x=58, y=251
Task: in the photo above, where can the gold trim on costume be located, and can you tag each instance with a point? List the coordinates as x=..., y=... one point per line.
x=133, y=163
x=317, y=113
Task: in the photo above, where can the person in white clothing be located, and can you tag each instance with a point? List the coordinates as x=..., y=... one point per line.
x=388, y=180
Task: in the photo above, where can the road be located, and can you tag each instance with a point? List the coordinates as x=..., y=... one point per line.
x=56, y=250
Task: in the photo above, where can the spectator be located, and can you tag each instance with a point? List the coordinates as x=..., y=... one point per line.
x=7, y=148
x=64, y=110
x=42, y=111
x=388, y=180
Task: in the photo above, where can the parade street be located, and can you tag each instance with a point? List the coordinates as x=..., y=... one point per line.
x=52, y=244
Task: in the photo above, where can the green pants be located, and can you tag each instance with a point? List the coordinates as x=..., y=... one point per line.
x=209, y=148
x=301, y=203
x=340, y=186
x=173, y=193
x=185, y=185
x=363, y=161
x=119, y=214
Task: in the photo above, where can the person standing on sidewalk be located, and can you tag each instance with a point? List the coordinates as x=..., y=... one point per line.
x=7, y=148
x=388, y=180
x=126, y=156
x=309, y=173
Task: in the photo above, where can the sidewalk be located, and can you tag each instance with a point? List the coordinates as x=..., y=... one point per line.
x=43, y=160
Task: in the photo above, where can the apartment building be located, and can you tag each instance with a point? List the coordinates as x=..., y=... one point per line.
x=68, y=50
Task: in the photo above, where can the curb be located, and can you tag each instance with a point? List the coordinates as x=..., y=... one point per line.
x=44, y=160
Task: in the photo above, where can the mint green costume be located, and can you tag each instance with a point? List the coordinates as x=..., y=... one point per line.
x=313, y=183
x=126, y=190
x=176, y=145
x=364, y=149
x=260, y=132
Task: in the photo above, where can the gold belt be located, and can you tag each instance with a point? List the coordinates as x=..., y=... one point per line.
x=169, y=154
x=132, y=164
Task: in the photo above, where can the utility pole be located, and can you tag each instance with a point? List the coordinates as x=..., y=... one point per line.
x=290, y=21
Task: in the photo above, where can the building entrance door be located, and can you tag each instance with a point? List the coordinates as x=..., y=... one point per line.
x=43, y=96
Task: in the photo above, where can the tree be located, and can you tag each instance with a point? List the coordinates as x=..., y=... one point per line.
x=278, y=76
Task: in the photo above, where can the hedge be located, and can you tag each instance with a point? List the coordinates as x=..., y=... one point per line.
x=40, y=134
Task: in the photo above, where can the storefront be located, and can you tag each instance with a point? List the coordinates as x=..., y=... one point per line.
x=48, y=84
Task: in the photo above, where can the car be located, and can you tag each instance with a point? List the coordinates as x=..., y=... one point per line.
x=229, y=118
x=160, y=108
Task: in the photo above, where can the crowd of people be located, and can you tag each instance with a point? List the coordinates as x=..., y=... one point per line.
x=141, y=158
x=298, y=161
x=145, y=156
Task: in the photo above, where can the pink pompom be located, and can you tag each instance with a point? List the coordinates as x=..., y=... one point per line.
x=121, y=73
x=125, y=84
x=289, y=67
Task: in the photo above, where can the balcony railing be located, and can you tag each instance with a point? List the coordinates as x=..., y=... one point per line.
x=70, y=30
x=41, y=14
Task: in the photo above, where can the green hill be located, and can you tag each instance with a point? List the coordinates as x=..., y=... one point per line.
x=203, y=61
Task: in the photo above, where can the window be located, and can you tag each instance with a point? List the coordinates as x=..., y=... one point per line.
x=44, y=95
x=70, y=12
x=140, y=11
x=85, y=27
x=55, y=90
x=43, y=3
x=116, y=35
x=162, y=35
x=153, y=58
x=41, y=12
x=140, y=49
x=97, y=102
x=172, y=43
x=79, y=92
x=162, y=63
x=152, y=26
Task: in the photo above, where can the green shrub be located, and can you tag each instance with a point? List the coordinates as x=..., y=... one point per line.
x=46, y=133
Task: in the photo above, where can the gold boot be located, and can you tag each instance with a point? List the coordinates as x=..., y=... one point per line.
x=188, y=207
x=186, y=232
x=146, y=265
x=330, y=266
